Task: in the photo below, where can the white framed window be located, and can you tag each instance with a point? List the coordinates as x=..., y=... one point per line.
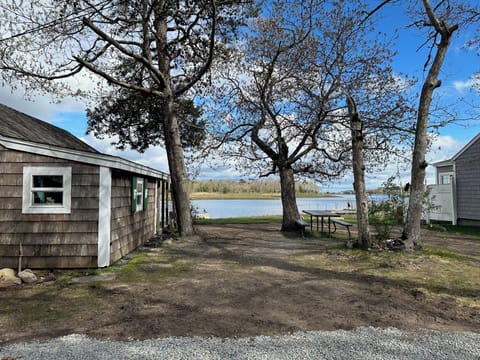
x=47, y=190
x=139, y=194
x=445, y=179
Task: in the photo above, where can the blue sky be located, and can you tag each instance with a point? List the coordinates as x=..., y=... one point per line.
x=460, y=65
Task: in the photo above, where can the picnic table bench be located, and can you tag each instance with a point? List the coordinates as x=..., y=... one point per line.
x=344, y=223
x=301, y=224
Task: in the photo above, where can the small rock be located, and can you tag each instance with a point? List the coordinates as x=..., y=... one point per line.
x=7, y=276
x=349, y=244
x=27, y=276
x=167, y=242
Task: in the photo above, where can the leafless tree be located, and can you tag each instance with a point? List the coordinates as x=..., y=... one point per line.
x=282, y=97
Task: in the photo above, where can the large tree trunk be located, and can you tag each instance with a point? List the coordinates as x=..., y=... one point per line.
x=289, y=200
x=359, y=176
x=178, y=171
x=411, y=231
x=171, y=132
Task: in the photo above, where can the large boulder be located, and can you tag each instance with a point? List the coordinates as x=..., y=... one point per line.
x=8, y=278
x=27, y=276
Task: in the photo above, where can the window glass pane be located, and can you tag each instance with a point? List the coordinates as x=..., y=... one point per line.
x=139, y=194
x=445, y=179
x=47, y=197
x=47, y=181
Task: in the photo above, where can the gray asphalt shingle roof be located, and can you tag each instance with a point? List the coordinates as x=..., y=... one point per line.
x=17, y=125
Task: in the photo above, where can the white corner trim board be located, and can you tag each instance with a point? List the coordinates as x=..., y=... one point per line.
x=104, y=216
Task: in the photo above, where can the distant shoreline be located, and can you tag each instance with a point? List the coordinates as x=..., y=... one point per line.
x=251, y=196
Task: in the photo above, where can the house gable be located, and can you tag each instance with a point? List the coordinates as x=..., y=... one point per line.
x=17, y=125
x=467, y=147
x=467, y=174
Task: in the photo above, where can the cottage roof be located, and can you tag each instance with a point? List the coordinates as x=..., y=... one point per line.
x=22, y=132
x=17, y=125
x=458, y=154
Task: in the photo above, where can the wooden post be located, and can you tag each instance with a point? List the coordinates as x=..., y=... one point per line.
x=20, y=256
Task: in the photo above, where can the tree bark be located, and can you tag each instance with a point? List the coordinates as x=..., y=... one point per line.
x=289, y=200
x=411, y=232
x=173, y=145
x=178, y=171
x=359, y=176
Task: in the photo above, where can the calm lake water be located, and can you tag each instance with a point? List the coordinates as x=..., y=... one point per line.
x=235, y=208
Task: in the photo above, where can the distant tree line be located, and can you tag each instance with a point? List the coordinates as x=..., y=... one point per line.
x=244, y=186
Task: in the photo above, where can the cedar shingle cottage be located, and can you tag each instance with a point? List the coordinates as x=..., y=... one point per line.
x=65, y=205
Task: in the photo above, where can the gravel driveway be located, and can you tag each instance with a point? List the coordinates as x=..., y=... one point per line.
x=361, y=343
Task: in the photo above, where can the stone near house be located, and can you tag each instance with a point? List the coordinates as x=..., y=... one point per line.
x=27, y=276
x=7, y=277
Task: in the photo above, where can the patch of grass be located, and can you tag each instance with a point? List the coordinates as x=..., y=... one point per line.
x=65, y=277
x=454, y=229
x=153, y=274
x=269, y=219
x=435, y=269
x=139, y=258
x=443, y=253
x=50, y=305
x=151, y=267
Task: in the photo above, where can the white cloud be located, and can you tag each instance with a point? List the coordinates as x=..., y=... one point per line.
x=154, y=157
x=42, y=107
x=469, y=84
x=443, y=148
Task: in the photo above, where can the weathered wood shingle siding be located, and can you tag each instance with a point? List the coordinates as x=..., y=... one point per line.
x=48, y=240
x=129, y=230
x=468, y=184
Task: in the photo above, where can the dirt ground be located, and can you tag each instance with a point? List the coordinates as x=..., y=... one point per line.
x=231, y=281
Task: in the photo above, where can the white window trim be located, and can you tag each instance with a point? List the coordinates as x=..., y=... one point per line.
x=442, y=174
x=27, y=202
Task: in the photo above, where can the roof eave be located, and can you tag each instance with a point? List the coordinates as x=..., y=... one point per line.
x=465, y=148
x=452, y=160
x=85, y=157
x=443, y=163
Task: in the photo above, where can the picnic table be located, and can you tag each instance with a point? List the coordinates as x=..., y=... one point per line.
x=321, y=214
